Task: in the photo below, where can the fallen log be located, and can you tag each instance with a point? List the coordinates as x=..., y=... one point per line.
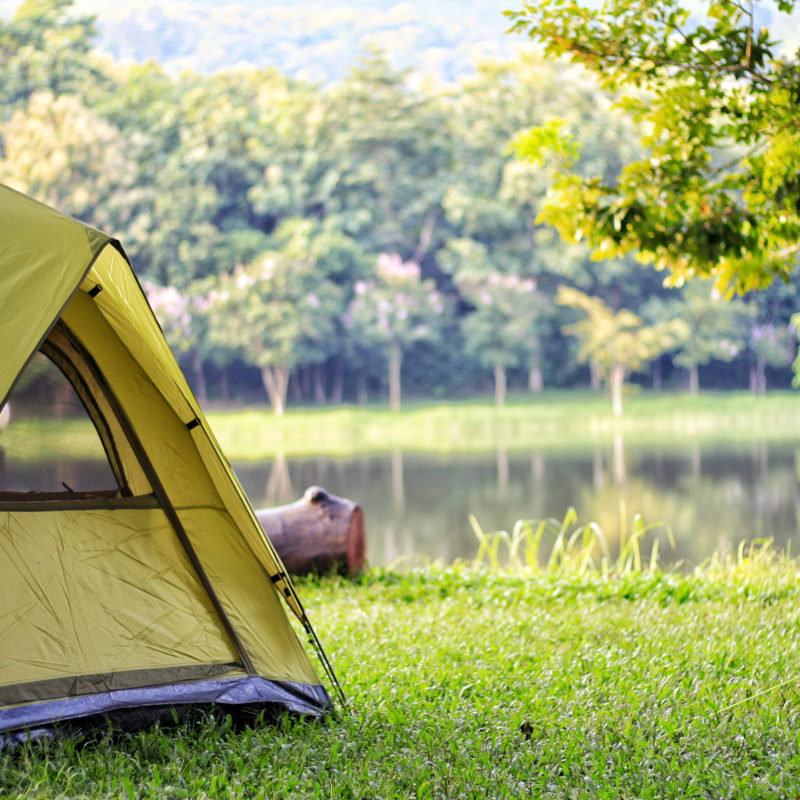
x=317, y=533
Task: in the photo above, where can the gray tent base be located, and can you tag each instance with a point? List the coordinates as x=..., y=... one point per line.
x=131, y=709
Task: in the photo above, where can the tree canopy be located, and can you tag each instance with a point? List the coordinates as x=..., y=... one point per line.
x=715, y=190
x=339, y=241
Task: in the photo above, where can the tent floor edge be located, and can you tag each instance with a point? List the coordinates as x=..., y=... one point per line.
x=244, y=699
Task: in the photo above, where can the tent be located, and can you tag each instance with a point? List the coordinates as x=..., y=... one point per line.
x=162, y=591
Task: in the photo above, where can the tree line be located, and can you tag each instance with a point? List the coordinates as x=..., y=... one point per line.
x=336, y=242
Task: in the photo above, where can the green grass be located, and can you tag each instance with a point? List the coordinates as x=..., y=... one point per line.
x=553, y=419
x=466, y=682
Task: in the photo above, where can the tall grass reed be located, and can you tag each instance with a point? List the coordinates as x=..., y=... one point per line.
x=574, y=549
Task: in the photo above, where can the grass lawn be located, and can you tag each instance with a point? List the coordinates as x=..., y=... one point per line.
x=552, y=419
x=474, y=683
x=557, y=419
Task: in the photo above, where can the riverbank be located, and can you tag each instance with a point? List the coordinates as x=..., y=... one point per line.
x=468, y=683
x=551, y=419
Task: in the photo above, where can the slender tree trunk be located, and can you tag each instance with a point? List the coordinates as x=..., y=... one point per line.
x=696, y=464
x=425, y=236
x=337, y=390
x=753, y=380
x=398, y=483
x=502, y=473
x=657, y=374
x=761, y=377
x=199, y=377
x=594, y=376
x=598, y=470
x=361, y=389
x=499, y=385
x=694, y=379
x=276, y=382
x=319, y=383
x=620, y=473
x=616, y=380
x=61, y=401
x=279, y=484
x=224, y=383
x=297, y=389
x=535, y=380
x=395, y=363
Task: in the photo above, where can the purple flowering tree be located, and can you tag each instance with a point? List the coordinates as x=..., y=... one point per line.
x=393, y=309
x=276, y=314
x=501, y=330
x=182, y=318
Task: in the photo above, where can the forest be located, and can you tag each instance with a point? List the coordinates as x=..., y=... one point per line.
x=368, y=238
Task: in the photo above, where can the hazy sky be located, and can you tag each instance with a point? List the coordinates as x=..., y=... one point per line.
x=440, y=38
x=306, y=38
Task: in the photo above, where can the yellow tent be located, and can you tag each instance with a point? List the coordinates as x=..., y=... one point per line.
x=162, y=592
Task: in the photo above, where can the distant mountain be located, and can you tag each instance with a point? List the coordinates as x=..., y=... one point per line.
x=313, y=40
x=319, y=41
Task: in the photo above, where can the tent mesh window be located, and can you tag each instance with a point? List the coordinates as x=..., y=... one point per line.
x=51, y=444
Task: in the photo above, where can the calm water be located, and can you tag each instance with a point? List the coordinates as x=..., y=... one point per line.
x=712, y=496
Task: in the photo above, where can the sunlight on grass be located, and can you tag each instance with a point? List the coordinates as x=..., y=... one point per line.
x=467, y=681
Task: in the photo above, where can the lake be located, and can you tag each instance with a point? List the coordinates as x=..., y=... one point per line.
x=416, y=507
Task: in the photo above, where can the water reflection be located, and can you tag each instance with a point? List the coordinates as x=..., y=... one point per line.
x=279, y=490
x=712, y=496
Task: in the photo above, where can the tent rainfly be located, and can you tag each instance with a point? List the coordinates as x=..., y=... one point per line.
x=161, y=592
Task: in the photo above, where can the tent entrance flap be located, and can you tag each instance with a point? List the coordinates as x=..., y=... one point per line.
x=100, y=592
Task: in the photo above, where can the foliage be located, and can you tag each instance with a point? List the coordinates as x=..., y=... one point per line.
x=715, y=191
x=61, y=151
x=573, y=549
x=714, y=328
x=200, y=173
x=45, y=48
x=617, y=342
x=501, y=330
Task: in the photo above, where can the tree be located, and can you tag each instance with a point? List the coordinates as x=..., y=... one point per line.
x=772, y=346
x=277, y=314
x=66, y=155
x=44, y=48
x=715, y=329
x=716, y=191
x=617, y=342
x=192, y=218
x=495, y=199
x=501, y=330
x=394, y=309
x=392, y=151
x=184, y=319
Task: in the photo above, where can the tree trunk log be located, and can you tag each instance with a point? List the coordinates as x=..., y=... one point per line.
x=317, y=533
